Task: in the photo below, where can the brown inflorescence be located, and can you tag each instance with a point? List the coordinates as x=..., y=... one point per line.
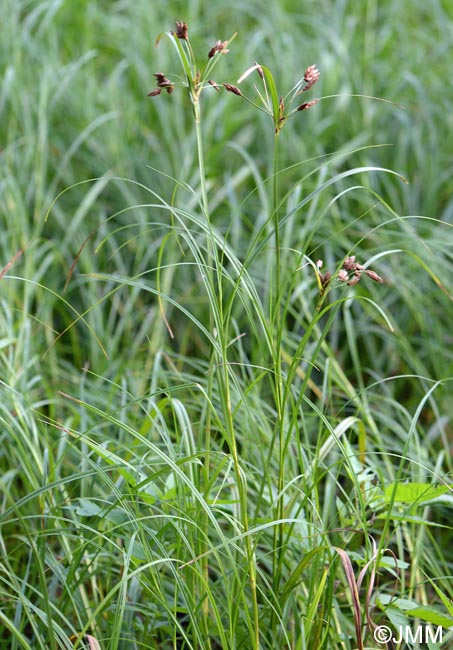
x=349, y=274
x=305, y=105
x=351, y=266
x=182, y=31
x=220, y=46
x=214, y=85
x=162, y=82
x=232, y=89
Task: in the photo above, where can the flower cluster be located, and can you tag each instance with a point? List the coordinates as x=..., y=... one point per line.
x=279, y=108
x=195, y=79
x=182, y=31
x=351, y=266
x=220, y=46
x=311, y=76
x=350, y=273
x=162, y=82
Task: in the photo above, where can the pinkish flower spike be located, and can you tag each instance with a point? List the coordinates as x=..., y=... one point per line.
x=355, y=278
x=373, y=275
x=350, y=264
x=311, y=76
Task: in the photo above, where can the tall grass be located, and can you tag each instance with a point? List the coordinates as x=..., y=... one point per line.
x=209, y=439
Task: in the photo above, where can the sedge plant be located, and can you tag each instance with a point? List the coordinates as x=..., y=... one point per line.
x=270, y=308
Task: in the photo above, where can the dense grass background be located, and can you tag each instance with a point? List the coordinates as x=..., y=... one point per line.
x=153, y=495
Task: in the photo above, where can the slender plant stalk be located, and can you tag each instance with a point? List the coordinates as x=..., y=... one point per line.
x=205, y=468
x=225, y=392
x=276, y=319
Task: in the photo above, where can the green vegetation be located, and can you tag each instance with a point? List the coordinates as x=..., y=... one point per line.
x=209, y=439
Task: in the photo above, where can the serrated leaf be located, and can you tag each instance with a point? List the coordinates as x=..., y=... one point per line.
x=413, y=493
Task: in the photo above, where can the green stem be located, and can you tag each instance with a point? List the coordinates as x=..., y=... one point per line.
x=222, y=365
x=277, y=325
x=275, y=311
x=207, y=438
x=204, y=195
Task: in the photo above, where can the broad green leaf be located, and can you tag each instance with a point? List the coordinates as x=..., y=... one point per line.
x=412, y=609
x=389, y=562
x=88, y=508
x=396, y=617
x=414, y=493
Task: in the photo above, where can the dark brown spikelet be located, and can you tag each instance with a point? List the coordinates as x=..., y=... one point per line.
x=220, y=46
x=162, y=80
x=306, y=105
x=325, y=280
x=214, y=85
x=182, y=31
x=232, y=89
x=154, y=93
